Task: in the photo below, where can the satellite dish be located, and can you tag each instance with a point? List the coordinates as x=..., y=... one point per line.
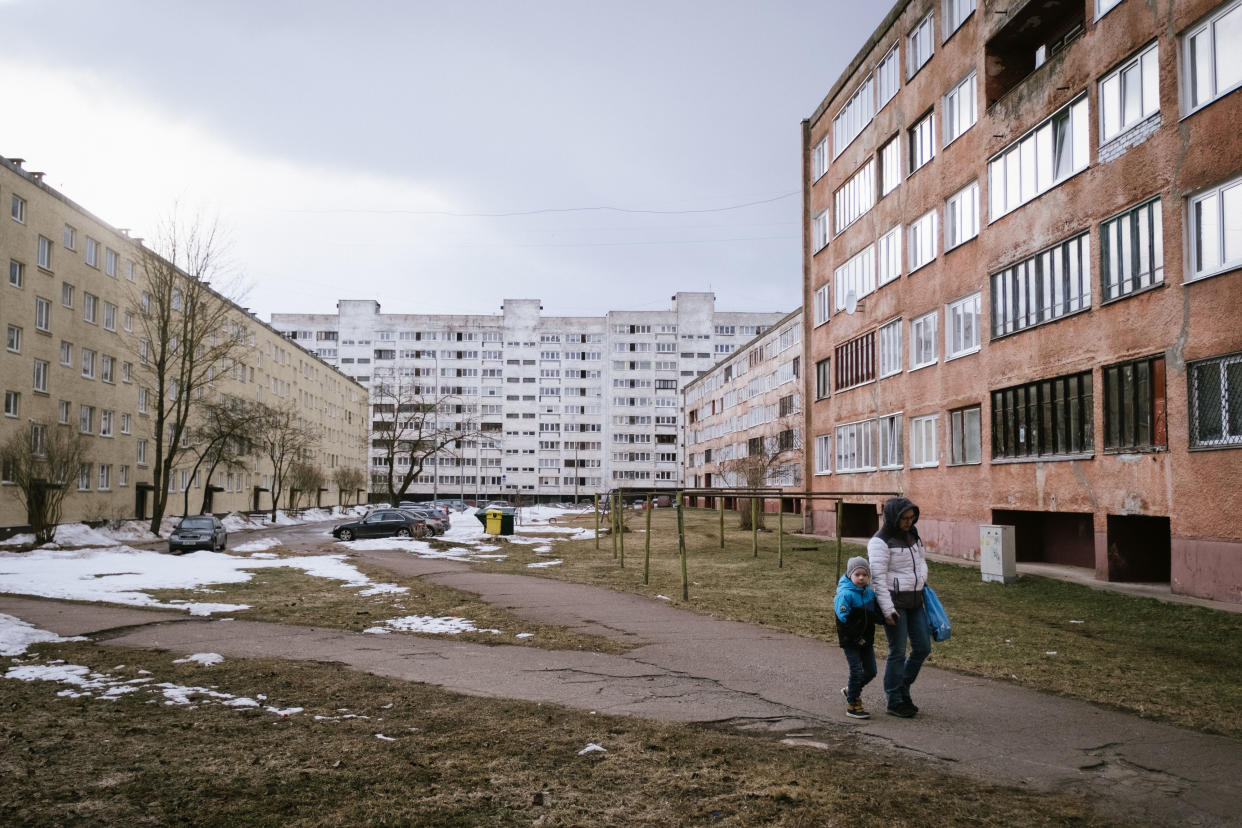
x=851, y=302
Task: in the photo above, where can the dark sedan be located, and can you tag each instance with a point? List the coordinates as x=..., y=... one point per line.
x=382, y=523
x=198, y=532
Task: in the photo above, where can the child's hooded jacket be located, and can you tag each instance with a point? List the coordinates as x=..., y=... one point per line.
x=856, y=613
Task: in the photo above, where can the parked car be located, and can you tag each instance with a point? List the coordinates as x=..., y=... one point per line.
x=454, y=505
x=198, y=532
x=437, y=522
x=382, y=523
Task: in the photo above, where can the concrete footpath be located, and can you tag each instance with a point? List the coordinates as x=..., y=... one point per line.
x=689, y=668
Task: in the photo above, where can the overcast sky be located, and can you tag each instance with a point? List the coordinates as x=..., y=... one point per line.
x=442, y=156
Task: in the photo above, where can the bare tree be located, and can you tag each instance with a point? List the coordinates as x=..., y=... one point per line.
x=757, y=469
x=186, y=332
x=286, y=439
x=41, y=464
x=414, y=423
x=304, y=478
x=348, y=480
x=225, y=432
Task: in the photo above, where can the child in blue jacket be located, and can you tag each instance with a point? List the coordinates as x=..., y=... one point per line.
x=857, y=613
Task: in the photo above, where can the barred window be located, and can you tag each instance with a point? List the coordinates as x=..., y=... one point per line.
x=855, y=361
x=1216, y=402
x=1051, y=284
x=1132, y=251
x=1134, y=405
x=1041, y=419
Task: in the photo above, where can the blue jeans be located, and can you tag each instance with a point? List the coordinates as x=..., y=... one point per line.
x=900, y=671
x=862, y=668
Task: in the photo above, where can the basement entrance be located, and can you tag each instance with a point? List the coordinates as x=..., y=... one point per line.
x=1139, y=549
x=859, y=520
x=1066, y=538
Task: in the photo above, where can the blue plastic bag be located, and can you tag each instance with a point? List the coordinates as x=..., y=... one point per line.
x=937, y=618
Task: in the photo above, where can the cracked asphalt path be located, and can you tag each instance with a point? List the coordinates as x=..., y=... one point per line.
x=689, y=668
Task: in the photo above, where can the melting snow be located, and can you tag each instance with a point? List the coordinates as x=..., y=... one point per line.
x=205, y=659
x=448, y=625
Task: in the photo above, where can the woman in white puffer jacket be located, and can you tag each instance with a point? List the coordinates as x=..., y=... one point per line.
x=898, y=575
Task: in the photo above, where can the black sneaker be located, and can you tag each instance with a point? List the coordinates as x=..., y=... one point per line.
x=906, y=701
x=902, y=709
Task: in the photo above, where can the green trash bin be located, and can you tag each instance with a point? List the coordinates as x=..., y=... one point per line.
x=498, y=521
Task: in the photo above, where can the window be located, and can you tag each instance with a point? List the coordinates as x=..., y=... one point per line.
x=823, y=454
x=90, y=307
x=890, y=165
x=105, y=423
x=955, y=14
x=86, y=419
x=40, y=376
x=1216, y=229
x=922, y=247
x=890, y=348
x=964, y=440
x=961, y=216
x=923, y=442
x=819, y=231
x=962, y=327
x=122, y=476
x=888, y=256
x=110, y=259
x=84, y=477
x=819, y=159
x=62, y=412
x=43, y=314
x=855, y=362
x=45, y=253
x=919, y=44
x=1129, y=94
x=823, y=379
x=38, y=439
x=124, y=423
x=105, y=476
x=923, y=341
x=855, y=197
x=821, y=305
x=856, y=446
x=71, y=238
x=109, y=316
x=853, y=117
x=922, y=141
x=1212, y=64
x=1216, y=402
x=1102, y=7
x=127, y=370
x=107, y=368
x=92, y=252
x=13, y=339
x=960, y=110
x=887, y=78
x=1132, y=251
x=12, y=404
x=18, y=210
x=17, y=273
x=141, y=448
x=88, y=363
x=66, y=353
x=1048, y=418
x=66, y=295
x=890, y=442
x=1042, y=159
x=855, y=278
x=1049, y=285
x=1134, y=405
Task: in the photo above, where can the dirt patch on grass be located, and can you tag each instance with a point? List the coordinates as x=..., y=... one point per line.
x=365, y=749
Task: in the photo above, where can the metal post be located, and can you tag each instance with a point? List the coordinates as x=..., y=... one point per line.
x=780, y=538
x=681, y=543
x=597, y=520
x=647, y=555
x=612, y=514
x=721, y=502
x=621, y=527
x=838, y=575
x=754, y=526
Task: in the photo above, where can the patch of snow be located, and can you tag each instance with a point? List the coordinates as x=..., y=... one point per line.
x=664, y=598
x=205, y=659
x=592, y=748
x=541, y=564
x=16, y=635
x=385, y=738
x=524, y=635
x=258, y=545
x=444, y=625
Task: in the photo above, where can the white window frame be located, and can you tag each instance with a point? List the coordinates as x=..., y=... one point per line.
x=12, y=404
x=819, y=231
x=823, y=454
x=922, y=142
x=921, y=247
x=17, y=209
x=960, y=453
x=91, y=254
x=1215, y=90
x=920, y=45
x=1137, y=80
x=887, y=78
x=45, y=253
x=890, y=352
x=960, y=108
x=923, y=450
x=853, y=118
x=39, y=380
x=888, y=257
x=956, y=12
x=889, y=157
x=43, y=314
x=819, y=159
x=924, y=345
x=13, y=339
x=1031, y=292
x=962, y=326
x=857, y=274
x=1221, y=388
x=1205, y=208
x=854, y=198
x=1027, y=168
x=961, y=216
x=889, y=431
x=1126, y=269
x=855, y=447
x=821, y=313
x=17, y=273
x=1103, y=7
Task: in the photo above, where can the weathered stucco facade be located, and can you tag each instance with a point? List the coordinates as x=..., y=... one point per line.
x=73, y=361
x=1059, y=346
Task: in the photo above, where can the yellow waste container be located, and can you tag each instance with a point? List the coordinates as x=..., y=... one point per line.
x=492, y=521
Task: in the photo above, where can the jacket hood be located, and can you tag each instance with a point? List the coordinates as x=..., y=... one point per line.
x=846, y=583
x=893, y=508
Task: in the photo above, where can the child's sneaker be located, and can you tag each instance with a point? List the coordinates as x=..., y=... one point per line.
x=854, y=709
